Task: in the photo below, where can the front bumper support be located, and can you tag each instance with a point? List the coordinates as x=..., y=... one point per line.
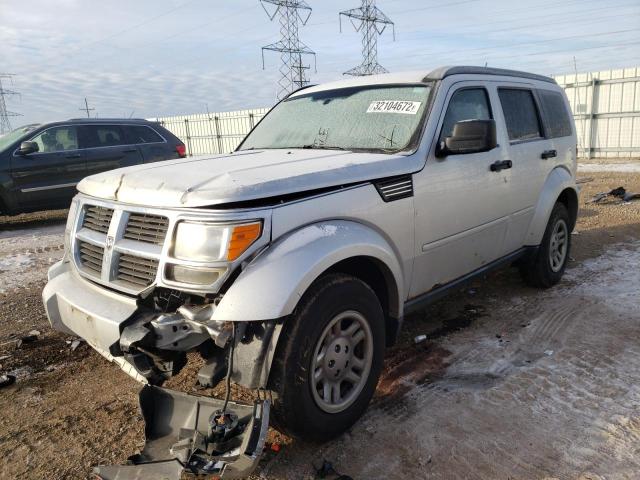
x=178, y=437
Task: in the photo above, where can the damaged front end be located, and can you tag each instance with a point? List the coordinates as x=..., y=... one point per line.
x=196, y=434
x=150, y=339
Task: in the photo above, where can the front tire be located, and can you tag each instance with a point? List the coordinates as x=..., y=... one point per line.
x=546, y=267
x=329, y=359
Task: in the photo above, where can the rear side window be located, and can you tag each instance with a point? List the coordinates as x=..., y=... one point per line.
x=466, y=104
x=555, y=113
x=142, y=134
x=520, y=114
x=102, y=136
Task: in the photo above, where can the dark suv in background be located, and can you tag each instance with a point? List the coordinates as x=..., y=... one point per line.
x=40, y=165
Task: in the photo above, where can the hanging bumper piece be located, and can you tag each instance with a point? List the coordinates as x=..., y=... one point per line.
x=192, y=433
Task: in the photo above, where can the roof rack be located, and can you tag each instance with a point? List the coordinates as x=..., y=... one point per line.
x=442, y=72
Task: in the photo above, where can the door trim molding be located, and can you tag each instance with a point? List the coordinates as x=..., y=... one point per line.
x=48, y=187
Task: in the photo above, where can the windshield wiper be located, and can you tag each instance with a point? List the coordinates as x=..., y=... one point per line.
x=321, y=147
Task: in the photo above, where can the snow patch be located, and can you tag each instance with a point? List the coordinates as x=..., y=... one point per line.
x=14, y=262
x=612, y=278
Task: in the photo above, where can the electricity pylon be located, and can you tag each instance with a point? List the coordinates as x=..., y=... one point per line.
x=292, y=14
x=371, y=22
x=5, y=124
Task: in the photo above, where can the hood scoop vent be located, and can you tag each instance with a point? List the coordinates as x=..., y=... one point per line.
x=395, y=188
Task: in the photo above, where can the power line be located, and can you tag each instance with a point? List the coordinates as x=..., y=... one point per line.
x=371, y=22
x=292, y=14
x=5, y=124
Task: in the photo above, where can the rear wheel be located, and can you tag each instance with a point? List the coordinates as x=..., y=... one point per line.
x=546, y=267
x=329, y=359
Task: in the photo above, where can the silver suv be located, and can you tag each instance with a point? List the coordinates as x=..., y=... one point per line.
x=289, y=264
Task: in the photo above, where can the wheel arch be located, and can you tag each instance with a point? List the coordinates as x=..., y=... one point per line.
x=380, y=279
x=268, y=290
x=272, y=284
x=560, y=186
x=569, y=198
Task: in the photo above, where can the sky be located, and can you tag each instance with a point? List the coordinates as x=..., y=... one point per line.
x=150, y=58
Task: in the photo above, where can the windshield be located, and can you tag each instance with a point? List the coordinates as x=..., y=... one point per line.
x=14, y=135
x=377, y=117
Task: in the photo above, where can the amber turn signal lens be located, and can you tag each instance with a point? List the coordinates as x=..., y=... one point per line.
x=241, y=238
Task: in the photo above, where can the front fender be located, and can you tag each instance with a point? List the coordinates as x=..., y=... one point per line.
x=273, y=283
x=558, y=180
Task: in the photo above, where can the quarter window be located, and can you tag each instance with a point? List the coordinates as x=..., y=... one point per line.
x=142, y=134
x=520, y=114
x=555, y=113
x=466, y=104
x=57, y=139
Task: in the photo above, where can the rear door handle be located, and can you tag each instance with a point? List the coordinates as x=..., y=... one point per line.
x=500, y=165
x=548, y=154
x=131, y=150
x=74, y=155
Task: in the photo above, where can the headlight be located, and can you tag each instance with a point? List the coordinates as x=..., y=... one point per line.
x=208, y=242
x=71, y=220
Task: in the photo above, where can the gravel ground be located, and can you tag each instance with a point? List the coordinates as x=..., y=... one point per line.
x=512, y=382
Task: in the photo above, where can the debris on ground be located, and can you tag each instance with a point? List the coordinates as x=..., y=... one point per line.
x=6, y=380
x=582, y=180
x=31, y=337
x=275, y=447
x=327, y=471
x=419, y=338
x=619, y=192
x=548, y=353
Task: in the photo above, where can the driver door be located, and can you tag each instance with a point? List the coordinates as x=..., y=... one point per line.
x=47, y=178
x=461, y=205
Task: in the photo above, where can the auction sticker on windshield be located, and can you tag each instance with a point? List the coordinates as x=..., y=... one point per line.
x=394, y=106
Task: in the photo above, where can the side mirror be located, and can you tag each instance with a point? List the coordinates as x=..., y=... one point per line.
x=469, y=136
x=28, y=147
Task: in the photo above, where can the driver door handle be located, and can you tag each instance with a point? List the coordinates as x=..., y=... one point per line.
x=74, y=155
x=500, y=165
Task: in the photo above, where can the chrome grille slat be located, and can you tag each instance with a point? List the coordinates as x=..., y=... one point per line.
x=91, y=257
x=146, y=228
x=97, y=218
x=137, y=270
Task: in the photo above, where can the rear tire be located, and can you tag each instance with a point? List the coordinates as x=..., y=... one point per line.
x=329, y=359
x=546, y=267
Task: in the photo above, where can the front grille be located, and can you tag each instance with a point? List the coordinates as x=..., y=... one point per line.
x=97, y=218
x=146, y=228
x=137, y=271
x=91, y=256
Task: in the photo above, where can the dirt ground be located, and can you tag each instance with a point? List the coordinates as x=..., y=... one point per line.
x=512, y=383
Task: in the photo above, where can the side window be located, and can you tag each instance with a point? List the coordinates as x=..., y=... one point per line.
x=555, y=113
x=57, y=139
x=520, y=114
x=142, y=134
x=466, y=104
x=102, y=136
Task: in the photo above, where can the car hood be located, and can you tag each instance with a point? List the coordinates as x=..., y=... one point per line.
x=241, y=176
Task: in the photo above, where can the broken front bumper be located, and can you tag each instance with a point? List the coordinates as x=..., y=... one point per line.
x=184, y=432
